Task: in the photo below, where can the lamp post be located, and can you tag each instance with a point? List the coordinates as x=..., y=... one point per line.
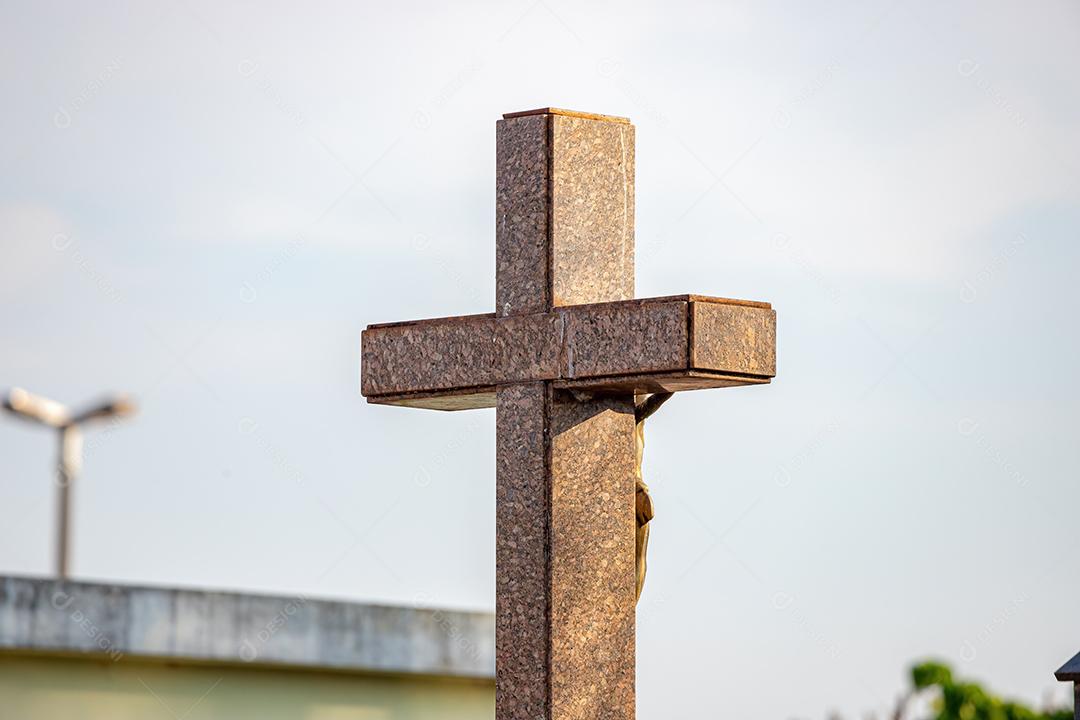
x=69, y=425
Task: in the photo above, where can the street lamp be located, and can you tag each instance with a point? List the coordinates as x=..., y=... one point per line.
x=57, y=416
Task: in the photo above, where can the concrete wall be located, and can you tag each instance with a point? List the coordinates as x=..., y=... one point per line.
x=93, y=650
x=194, y=625
x=45, y=688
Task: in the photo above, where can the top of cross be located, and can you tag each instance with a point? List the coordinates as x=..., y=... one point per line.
x=565, y=311
x=567, y=113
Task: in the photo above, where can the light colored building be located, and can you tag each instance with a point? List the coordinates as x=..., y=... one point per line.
x=89, y=650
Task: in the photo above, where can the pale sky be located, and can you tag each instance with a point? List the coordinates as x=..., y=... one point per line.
x=204, y=203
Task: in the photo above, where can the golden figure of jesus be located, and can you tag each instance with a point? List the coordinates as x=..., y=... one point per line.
x=642, y=500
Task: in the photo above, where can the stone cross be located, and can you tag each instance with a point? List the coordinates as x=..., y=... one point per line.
x=561, y=359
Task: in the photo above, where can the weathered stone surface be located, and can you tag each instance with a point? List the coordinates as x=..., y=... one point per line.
x=567, y=113
x=733, y=338
x=459, y=352
x=592, y=217
x=522, y=215
x=681, y=381
x=564, y=210
x=684, y=342
x=565, y=606
x=592, y=587
x=466, y=399
x=619, y=338
x=522, y=569
x=112, y=621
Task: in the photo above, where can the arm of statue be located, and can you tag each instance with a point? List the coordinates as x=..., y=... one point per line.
x=643, y=504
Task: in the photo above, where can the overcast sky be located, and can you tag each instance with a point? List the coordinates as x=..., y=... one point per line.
x=203, y=204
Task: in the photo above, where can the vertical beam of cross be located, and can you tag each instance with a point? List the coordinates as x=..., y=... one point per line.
x=565, y=590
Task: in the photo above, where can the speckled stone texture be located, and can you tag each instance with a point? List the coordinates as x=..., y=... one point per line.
x=631, y=337
x=565, y=594
x=522, y=214
x=733, y=338
x=564, y=211
x=460, y=352
x=592, y=219
x=592, y=587
x=692, y=341
x=564, y=647
x=522, y=616
x=564, y=608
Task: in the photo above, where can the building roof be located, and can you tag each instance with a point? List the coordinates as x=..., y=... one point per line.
x=1070, y=671
x=180, y=625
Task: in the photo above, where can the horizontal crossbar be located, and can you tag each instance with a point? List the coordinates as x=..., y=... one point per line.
x=668, y=344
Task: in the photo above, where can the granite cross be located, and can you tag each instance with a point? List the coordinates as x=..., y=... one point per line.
x=561, y=359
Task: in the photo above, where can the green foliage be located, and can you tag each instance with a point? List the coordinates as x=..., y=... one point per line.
x=930, y=673
x=968, y=701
